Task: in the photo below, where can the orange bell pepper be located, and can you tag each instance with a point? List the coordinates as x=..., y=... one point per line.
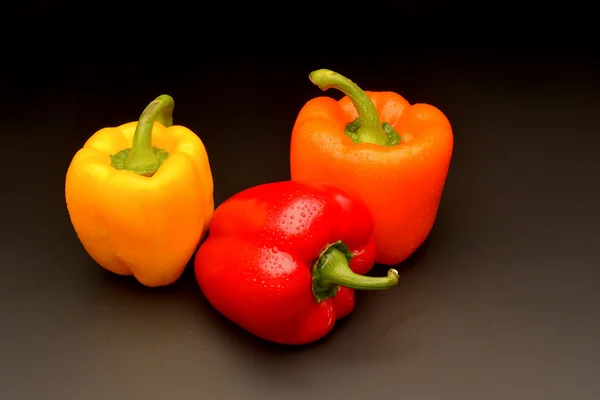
x=140, y=209
x=398, y=167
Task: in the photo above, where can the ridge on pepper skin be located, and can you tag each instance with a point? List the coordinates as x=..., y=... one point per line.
x=282, y=259
x=140, y=196
x=393, y=155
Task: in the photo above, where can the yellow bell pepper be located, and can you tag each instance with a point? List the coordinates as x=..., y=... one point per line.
x=140, y=196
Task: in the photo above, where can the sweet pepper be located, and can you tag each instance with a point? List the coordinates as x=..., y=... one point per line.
x=140, y=196
x=282, y=259
x=377, y=146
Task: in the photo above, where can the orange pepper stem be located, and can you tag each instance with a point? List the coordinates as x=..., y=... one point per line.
x=143, y=158
x=331, y=270
x=368, y=127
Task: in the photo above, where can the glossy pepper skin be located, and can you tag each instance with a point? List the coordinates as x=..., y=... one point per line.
x=377, y=146
x=140, y=209
x=282, y=259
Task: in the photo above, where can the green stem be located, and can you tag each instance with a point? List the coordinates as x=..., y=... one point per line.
x=367, y=128
x=142, y=158
x=331, y=270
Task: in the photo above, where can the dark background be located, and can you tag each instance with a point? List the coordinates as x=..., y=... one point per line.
x=502, y=300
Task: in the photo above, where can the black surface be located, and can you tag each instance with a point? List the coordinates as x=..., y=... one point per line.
x=500, y=303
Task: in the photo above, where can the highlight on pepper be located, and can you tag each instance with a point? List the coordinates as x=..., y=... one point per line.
x=140, y=196
x=393, y=155
x=282, y=259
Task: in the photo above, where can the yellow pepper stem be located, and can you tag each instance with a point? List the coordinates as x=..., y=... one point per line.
x=143, y=158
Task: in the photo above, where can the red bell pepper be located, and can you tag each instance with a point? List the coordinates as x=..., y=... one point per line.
x=282, y=259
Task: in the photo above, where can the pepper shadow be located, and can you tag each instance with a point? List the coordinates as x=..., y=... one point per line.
x=376, y=333
x=126, y=290
x=354, y=340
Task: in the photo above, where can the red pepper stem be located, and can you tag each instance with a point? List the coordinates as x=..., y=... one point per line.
x=332, y=271
x=143, y=158
x=370, y=130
